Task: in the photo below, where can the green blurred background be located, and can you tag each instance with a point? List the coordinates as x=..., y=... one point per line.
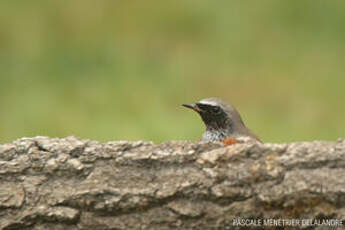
x=110, y=70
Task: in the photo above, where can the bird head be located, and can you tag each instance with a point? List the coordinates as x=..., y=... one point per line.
x=216, y=114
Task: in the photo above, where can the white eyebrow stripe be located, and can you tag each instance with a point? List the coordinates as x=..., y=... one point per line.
x=206, y=102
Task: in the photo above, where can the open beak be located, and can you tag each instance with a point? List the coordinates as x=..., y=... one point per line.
x=193, y=107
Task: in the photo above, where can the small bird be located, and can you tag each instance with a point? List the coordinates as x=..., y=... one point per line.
x=222, y=120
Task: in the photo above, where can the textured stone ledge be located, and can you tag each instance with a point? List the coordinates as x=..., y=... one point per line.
x=51, y=183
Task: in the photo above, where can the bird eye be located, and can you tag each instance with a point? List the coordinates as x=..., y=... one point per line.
x=215, y=110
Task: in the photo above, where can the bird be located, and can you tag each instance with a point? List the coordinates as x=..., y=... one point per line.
x=222, y=120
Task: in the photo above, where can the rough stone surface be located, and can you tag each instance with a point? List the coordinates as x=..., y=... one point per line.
x=51, y=183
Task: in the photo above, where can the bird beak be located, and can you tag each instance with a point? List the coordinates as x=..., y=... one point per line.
x=193, y=107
